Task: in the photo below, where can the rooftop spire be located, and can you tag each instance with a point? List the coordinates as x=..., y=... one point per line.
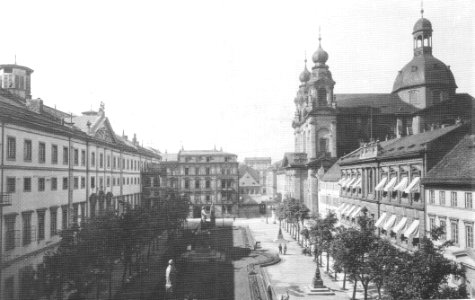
x=319, y=36
x=422, y=9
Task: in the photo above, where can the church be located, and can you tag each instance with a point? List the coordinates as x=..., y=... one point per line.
x=328, y=125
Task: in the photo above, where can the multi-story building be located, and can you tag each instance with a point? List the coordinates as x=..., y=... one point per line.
x=449, y=190
x=260, y=164
x=384, y=177
x=208, y=177
x=328, y=125
x=56, y=169
x=249, y=181
x=329, y=191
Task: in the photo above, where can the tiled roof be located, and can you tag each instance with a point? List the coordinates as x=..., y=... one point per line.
x=457, y=166
x=243, y=169
x=333, y=174
x=383, y=103
x=81, y=121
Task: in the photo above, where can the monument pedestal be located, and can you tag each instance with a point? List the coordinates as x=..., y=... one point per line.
x=318, y=288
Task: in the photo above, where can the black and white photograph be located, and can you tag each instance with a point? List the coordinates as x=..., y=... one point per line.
x=237, y=150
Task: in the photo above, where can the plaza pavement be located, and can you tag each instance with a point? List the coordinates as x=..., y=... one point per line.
x=295, y=271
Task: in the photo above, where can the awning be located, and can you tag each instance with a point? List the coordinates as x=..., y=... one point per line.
x=400, y=225
x=349, y=182
x=342, y=180
x=343, y=211
x=340, y=207
x=390, y=184
x=381, y=184
x=401, y=186
x=380, y=220
x=390, y=222
x=348, y=212
x=413, y=229
x=414, y=186
x=356, y=183
x=355, y=212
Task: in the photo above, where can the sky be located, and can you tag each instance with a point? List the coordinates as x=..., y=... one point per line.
x=207, y=73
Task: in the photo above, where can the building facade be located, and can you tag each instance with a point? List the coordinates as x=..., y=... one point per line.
x=249, y=181
x=260, y=164
x=209, y=177
x=56, y=170
x=449, y=190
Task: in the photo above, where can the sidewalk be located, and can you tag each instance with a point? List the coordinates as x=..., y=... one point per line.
x=295, y=271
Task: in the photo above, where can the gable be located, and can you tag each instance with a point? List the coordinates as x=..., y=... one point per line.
x=104, y=132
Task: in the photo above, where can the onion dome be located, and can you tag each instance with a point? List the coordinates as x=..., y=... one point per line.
x=305, y=75
x=320, y=56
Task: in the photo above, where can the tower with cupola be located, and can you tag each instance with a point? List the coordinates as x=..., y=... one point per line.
x=16, y=79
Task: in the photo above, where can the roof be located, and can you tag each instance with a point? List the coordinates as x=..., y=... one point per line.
x=422, y=25
x=400, y=147
x=383, y=103
x=204, y=153
x=333, y=174
x=243, y=169
x=16, y=66
x=169, y=156
x=424, y=70
x=457, y=166
x=257, y=159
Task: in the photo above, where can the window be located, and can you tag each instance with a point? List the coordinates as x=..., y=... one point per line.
x=93, y=159
x=197, y=171
x=322, y=97
x=108, y=181
x=54, y=154
x=186, y=171
x=208, y=159
x=208, y=184
x=76, y=183
x=431, y=197
x=114, y=163
x=187, y=184
x=54, y=183
x=10, y=232
x=26, y=228
x=442, y=197
x=113, y=181
x=431, y=223
x=41, y=184
x=101, y=160
x=11, y=148
x=323, y=142
x=444, y=226
x=223, y=183
x=65, y=156
x=41, y=225
x=453, y=199
x=469, y=235
x=11, y=185
x=454, y=231
x=27, y=150
x=41, y=153
x=83, y=182
x=197, y=184
x=101, y=182
x=27, y=184
x=108, y=161
x=76, y=157
x=468, y=200
x=83, y=158
x=93, y=182
x=53, y=221
x=208, y=198
x=65, y=183
x=64, y=220
x=208, y=171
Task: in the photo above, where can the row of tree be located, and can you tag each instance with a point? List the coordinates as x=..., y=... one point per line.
x=361, y=255
x=89, y=255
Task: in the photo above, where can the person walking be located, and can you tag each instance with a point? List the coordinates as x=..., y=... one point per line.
x=285, y=249
x=280, y=248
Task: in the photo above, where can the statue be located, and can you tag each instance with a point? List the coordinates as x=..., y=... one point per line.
x=203, y=214
x=170, y=277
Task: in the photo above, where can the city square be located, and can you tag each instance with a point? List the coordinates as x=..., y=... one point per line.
x=224, y=150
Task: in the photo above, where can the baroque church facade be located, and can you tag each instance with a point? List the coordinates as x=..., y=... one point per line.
x=328, y=125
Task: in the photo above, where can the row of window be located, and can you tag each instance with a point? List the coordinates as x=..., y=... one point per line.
x=225, y=183
x=203, y=159
x=207, y=171
x=78, y=182
x=453, y=199
x=79, y=156
x=454, y=230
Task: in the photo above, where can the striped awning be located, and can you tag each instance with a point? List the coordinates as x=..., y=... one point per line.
x=401, y=186
x=413, y=229
x=349, y=182
x=380, y=185
x=356, y=183
x=355, y=213
x=414, y=186
x=389, y=187
x=348, y=210
x=400, y=225
x=380, y=221
x=390, y=222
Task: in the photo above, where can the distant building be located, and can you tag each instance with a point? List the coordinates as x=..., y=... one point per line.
x=208, y=177
x=329, y=191
x=249, y=181
x=449, y=190
x=260, y=164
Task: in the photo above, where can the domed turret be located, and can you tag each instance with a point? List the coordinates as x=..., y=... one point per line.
x=305, y=75
x=422, y=25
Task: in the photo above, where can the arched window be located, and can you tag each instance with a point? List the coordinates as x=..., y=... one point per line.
x=322, y=97
x=419, y=41
x=323, y=138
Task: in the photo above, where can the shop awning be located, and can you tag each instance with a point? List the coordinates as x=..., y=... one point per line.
x=349, y=182
x=413, y=229
x=349, y=210
x=390, y=222
x=400, y=225
x=356, y=183
x=390, y=184
x=342, y=180
x=380, y=220
x=355, y=213
x=381, y=184
x=414, y=186
x=340, y=207
x=401, y=186
x=343, y=211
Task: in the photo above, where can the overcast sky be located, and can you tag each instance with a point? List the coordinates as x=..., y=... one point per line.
x=224, y=73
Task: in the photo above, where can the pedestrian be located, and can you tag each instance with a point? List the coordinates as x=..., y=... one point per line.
x=280, y=248
x=285, y=249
